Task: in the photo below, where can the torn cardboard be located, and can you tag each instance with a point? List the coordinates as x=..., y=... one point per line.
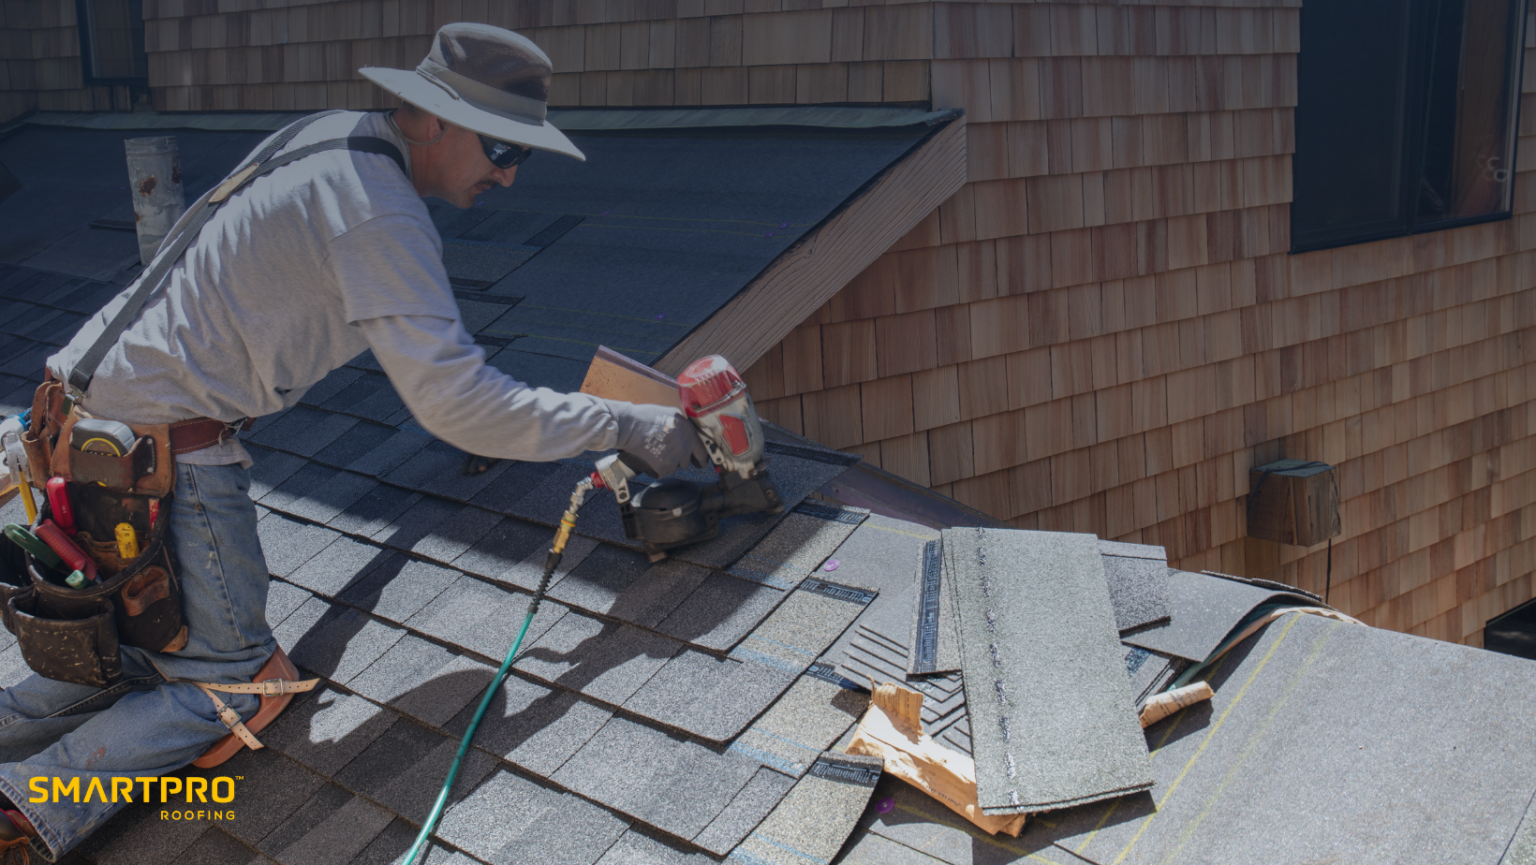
x=892, y=729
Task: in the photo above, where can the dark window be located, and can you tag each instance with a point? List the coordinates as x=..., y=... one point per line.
x=112, y=41
x=1513, y=633
x=1405, y=119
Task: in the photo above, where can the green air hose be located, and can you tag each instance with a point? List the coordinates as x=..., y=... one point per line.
x=567, y=524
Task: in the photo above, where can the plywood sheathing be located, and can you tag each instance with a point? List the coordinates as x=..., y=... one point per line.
x=1102, y=330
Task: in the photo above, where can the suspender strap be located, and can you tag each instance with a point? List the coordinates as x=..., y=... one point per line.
x=160, y=269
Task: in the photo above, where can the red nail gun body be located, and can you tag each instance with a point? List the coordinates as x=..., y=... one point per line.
x=674, y=512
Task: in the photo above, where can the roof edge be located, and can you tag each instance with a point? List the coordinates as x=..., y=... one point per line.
x=570, y=119
x=829, y=256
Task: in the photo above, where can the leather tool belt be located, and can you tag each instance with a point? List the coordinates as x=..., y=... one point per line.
x=204, y=432
x=74, y=634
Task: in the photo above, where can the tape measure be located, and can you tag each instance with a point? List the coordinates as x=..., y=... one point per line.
x=109, y=437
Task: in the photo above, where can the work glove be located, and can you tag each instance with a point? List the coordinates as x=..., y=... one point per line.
x=658, y=438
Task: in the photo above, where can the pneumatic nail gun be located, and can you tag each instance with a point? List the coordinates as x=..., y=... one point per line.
x=673, y=512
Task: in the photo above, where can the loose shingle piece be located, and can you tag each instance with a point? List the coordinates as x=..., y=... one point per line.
x=1053, y=722
x=1205, y=609
x=816, y=817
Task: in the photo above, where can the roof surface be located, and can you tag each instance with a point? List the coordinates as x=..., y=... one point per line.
x=690, y=710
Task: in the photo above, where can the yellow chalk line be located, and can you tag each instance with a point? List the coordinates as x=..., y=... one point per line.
x=1147, y=821
x=1253, y=740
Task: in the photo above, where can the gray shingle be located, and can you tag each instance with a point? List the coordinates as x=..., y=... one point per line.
x=623, y=584
x=383, y=457
x=721, y=611
x=370, y=396
x=456, y=485
x=318, y=493
x=802, y=723
x=270, y=468
x=337, y=566
x=546, y=501
x=483, y=618
x=513, y=484
x=416, y=522
x=816, y=817
x=326, y=801
x=217, y=847
x=641, y=846
x=325, y=729
x=282, y=600
x=715, y=698
x=795, y=547
x=137, y=836
x=504, y=547
x=398, y=587
x=423, y=680
x=527, y=573
x=304, y=431
x=404, y=768
x=342, y=835
x=1138, y=591
x=510, y=816
x=449, y=539
x=533, y=726
x=604, y=660
x=278, y=783
x=359, y=441
x=435, y=460
x=288, y=544
x=677, y=785
x=748, y=807
x=374, y=510
x=335, y=642
x=709, y=696
x=1036, y=625
x=1205, y=609
x=332, y=384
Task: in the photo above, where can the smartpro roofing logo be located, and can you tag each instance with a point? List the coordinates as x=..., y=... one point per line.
x=142, y=789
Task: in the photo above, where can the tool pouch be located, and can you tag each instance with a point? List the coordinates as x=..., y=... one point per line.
x=74, y=635
x=143, y=592
x=82, y=650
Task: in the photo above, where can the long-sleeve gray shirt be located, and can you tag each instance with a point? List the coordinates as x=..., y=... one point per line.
x=296, y=274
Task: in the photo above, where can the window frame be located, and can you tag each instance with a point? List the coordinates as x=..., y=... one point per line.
x=1410, y=145
x=83, y=26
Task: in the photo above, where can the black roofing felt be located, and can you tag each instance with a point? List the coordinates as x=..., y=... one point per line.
x=631, y=249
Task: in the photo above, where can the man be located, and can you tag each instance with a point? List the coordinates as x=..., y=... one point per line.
x=297, y=272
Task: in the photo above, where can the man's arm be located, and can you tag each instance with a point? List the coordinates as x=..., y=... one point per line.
x=443, y=378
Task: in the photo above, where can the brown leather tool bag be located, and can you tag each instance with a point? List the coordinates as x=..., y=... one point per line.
x=71, y=634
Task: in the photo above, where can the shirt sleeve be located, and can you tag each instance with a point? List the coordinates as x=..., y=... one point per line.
x=391, y=265
x=443, y=378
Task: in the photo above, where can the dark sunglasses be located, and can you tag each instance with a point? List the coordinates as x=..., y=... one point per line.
x=504, y=155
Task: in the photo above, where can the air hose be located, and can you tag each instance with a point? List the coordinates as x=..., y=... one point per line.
x=562, y=535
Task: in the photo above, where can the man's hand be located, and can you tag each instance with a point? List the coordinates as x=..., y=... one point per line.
x=659, y=437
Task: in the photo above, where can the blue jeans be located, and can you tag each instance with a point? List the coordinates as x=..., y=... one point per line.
x=144, y=725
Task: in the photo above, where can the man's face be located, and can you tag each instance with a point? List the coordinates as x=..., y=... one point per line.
x=457, y=170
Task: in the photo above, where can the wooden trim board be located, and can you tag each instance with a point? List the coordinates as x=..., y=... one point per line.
x=809, y=273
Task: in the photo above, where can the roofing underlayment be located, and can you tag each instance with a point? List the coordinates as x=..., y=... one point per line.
x=691, y=711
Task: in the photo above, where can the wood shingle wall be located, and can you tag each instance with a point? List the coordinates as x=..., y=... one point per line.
x=40, y=62
x=1103, y=330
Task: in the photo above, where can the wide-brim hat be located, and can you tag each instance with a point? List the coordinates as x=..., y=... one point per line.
x=485, y=79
